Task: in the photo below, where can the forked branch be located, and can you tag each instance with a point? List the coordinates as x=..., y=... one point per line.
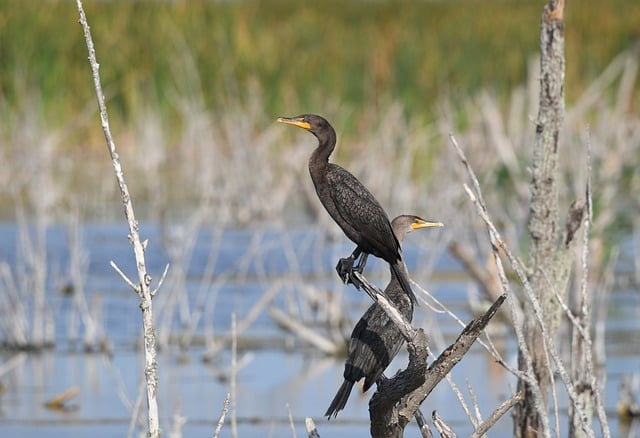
x=144, y=279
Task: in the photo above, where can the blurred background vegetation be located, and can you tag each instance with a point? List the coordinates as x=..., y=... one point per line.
x=295, y=53
x=353, y=58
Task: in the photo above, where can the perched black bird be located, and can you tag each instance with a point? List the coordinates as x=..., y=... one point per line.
x=376, y=340
x=350, y=204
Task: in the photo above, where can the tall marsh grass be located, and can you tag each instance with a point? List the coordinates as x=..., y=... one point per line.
x=194, y=87
x=237, y=168
x=242, y=168
x=298, y=54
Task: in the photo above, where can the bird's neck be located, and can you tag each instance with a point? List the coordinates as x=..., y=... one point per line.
x=319, y=160
x=399, y=297
x=326, y=145
x=403, y=269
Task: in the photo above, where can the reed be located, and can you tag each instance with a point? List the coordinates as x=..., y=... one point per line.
x=297, y=53
x=235, y=168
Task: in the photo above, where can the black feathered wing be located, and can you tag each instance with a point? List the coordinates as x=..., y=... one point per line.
x=375, y=339
x=361, y=216
x=368, y=352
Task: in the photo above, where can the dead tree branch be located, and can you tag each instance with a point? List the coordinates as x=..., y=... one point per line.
x=526, y=374
x=583, y=373
x=310, y=426
x=144, y=279
x=443, y=428
x=484, y=427
x=223, y=413
x=549, y=259
x=395, y=402
x=384, y=417
x=451, y=356
x=379, y=297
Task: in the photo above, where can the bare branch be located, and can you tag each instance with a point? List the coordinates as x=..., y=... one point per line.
x=445, y=362
x=461, y=400
x=482, y=428
x=486, y=343
x=476, y=407
x=291, y=424
x=378, y=296
x=234, y=376
x=497, y=242
x=443, y=428
x=124, y=276
x=422, y=424
x=246, y=322
x=312, y=432
x=586, y=385
x=162, y=278
x=482, y=276
x=302, y=331
x=223, y=413
x=13, y=362
x=58, y=402
x=150, y=371
x=385, y=422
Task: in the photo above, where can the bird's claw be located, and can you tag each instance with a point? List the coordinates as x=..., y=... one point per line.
x=344, y=269
x=353, y=279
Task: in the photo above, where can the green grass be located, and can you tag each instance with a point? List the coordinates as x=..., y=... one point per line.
x=299, y=55
x=180, y=76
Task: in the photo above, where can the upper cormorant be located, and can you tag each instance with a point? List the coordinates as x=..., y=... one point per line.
x=350, y=204
x=376, y=339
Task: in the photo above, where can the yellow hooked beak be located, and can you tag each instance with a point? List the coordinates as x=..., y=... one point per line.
x=419, y=223
x=295, y=121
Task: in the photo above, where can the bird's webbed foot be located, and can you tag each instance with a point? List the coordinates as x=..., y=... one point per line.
x=346, y=268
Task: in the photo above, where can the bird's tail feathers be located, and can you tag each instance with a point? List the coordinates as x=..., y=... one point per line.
x=340, y=400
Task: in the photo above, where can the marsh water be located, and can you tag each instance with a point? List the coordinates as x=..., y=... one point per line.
x=226, y=272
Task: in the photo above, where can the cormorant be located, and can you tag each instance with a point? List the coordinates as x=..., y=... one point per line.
x=376, y=340
x=350, y=204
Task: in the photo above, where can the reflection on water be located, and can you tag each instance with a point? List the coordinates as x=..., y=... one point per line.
x=277, y=371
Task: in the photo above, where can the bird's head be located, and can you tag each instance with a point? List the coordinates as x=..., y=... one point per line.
x=406, y=223
x=315, y=124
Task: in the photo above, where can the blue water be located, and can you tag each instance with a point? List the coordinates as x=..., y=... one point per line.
x=278, y=370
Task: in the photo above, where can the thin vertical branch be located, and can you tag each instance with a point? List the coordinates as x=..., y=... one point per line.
x=144, y=279
x=135, y=408
x=78, y=266
x=291, y=423
x=223, y=414
x=312, y=432
x=234, y=376
x=582, y=346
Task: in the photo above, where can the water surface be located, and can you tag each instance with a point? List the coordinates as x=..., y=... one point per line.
x=224, y=273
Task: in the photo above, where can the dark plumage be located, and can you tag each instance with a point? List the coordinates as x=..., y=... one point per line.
x=349, y=203
x=376, y=340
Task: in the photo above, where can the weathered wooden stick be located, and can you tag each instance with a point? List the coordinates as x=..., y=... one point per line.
x=144, y=279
